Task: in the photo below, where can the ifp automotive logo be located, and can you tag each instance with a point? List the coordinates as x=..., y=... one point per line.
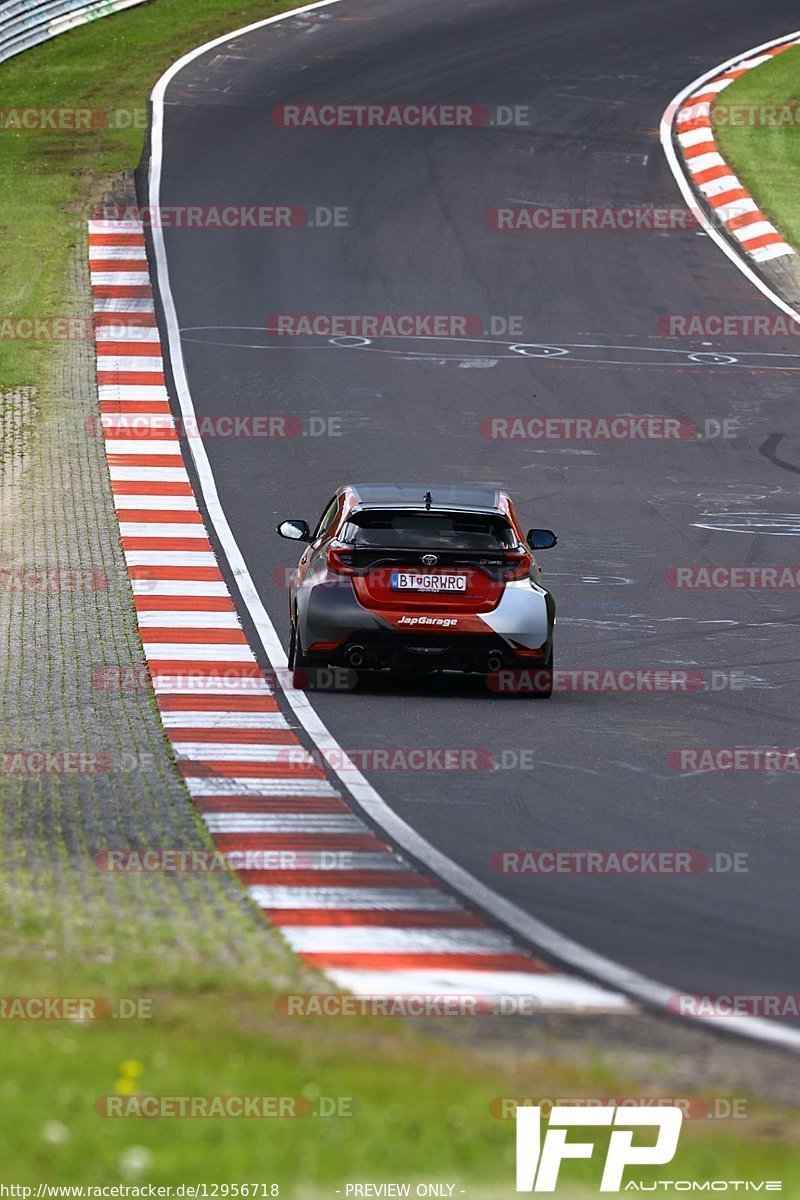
x=539, y=1161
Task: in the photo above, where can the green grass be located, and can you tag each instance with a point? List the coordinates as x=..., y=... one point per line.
x=767, y=159
x=50, y=178
x=417, y=1104
x=420, y=1106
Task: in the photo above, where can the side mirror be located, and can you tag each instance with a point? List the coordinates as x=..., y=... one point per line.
x=296, y=531
x=542, y=539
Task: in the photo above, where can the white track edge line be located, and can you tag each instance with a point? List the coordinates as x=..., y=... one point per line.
x=529, y=928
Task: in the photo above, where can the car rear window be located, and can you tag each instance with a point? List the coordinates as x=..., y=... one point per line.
x=429, y=531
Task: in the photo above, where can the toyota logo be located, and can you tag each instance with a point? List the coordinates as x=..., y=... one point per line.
x=430, y=560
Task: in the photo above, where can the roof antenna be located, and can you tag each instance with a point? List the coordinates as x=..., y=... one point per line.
x=428, y=501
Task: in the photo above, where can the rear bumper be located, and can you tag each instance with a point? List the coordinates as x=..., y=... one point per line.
x=331, y=617
x=479, y=654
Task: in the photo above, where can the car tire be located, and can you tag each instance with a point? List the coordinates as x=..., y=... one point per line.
x=299, y=663
x=544, y=690
x=536, y=683
x=307, y=676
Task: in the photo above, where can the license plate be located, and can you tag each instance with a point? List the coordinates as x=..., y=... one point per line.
x=410, y=581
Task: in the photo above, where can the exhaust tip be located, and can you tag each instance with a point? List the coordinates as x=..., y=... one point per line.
x=356, y=657
x=495, y=661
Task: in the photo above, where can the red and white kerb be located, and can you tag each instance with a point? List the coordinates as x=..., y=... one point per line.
x=732, y=203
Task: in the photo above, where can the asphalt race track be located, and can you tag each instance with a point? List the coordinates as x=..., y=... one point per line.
x=597, y=75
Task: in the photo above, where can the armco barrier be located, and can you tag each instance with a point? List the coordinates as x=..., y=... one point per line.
x=26, y=23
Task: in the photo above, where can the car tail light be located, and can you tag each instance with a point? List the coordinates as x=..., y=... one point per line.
x=524, y=652
x=340, y=558
x=518, y=565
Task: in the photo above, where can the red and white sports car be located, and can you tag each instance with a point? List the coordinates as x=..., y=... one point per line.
x=421, y=579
